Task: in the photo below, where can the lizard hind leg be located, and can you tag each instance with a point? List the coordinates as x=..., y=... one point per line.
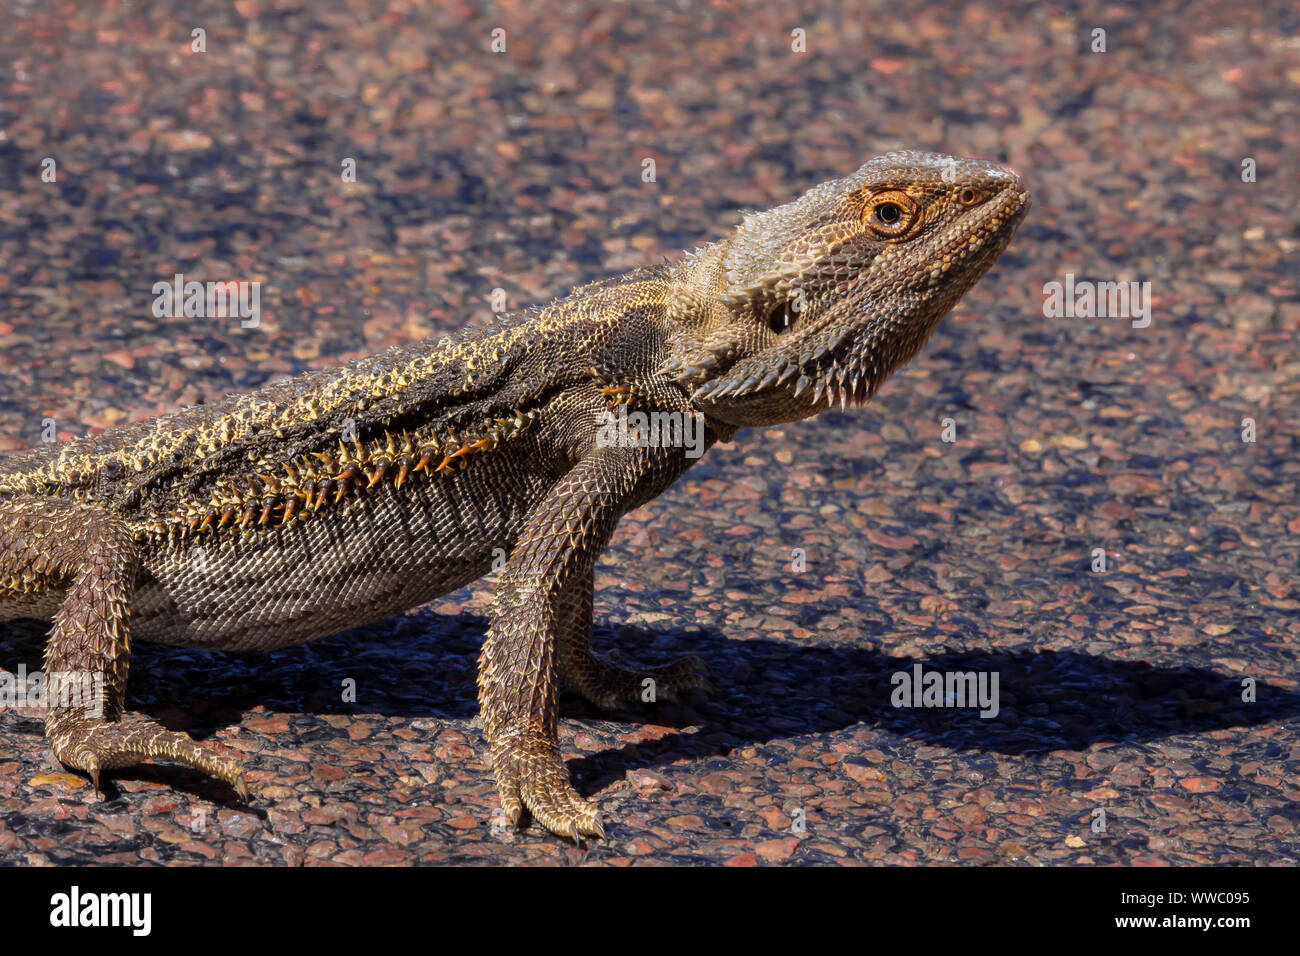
x=603, y=682
x=87, y=556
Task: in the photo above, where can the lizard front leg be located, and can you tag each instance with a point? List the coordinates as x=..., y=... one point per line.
x=556, y=551
x=84, y=554
x=602, y=682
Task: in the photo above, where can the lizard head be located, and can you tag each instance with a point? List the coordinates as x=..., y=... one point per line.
x=822, y=298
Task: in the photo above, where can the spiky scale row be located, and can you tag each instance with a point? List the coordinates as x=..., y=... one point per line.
x=263, y=501
x=312, y=483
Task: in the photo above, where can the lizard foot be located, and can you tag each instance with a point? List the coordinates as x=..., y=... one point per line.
x=531, y=777
x=608, y=685
x=92, y=745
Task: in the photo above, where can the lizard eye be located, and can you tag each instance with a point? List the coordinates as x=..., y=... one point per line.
x=890, y=215
x=969, y=196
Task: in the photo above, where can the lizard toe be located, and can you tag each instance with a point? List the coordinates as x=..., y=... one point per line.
x=531, y=776
x=94, y=744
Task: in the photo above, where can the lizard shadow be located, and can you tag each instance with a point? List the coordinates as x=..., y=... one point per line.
x=422, y=666
x=1048, y=700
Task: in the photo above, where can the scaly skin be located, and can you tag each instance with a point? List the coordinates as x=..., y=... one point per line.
x=340, y=497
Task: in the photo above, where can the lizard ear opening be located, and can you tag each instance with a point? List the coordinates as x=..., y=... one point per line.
x=772, y=305
x=781, y=316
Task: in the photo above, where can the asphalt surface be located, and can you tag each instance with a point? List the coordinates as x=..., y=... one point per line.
x=1147, y=712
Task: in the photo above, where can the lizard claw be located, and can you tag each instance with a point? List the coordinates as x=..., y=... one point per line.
x=531, y=777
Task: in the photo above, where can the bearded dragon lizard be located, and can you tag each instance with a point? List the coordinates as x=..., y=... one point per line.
x=335, y=498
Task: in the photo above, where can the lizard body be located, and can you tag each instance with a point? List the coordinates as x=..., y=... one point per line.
x=339, y=497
